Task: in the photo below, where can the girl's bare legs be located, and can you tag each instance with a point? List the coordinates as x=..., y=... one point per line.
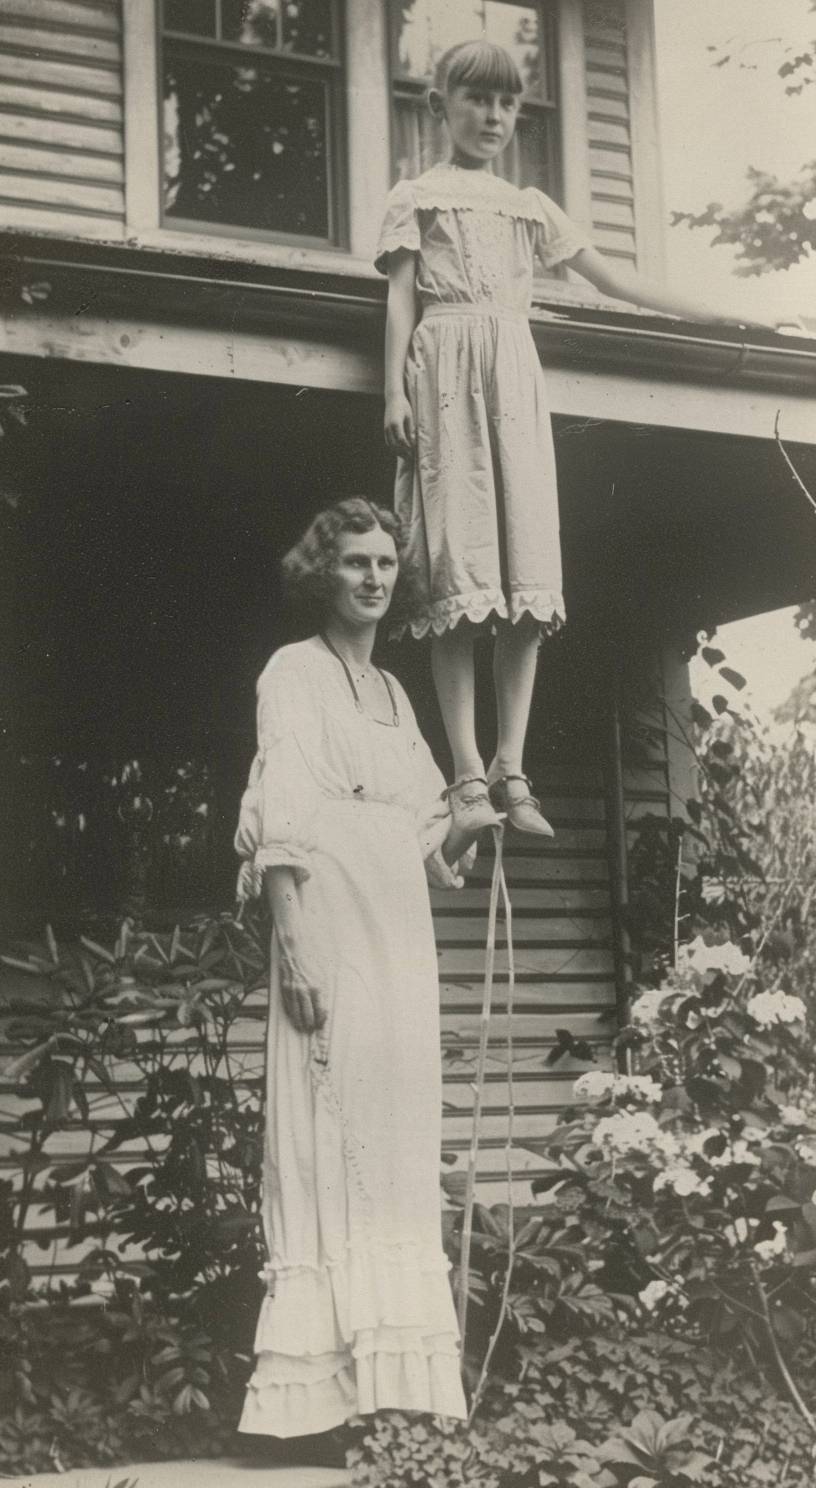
x=452, y=663
x=454, y=677
x=514, y=670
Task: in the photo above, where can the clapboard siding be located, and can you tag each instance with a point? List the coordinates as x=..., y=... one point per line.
x=565, y=978
x=61, y=117
x=609, y=129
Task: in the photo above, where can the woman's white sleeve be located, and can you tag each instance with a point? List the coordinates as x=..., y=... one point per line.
x=279, y=806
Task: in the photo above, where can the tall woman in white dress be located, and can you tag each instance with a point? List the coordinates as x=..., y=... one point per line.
x=344, y=802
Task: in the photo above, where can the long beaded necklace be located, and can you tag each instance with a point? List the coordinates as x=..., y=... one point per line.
x=355, y=694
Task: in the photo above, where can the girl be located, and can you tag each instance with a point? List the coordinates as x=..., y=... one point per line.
x=466, y=409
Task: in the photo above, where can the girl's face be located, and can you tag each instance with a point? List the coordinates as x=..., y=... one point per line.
x=481, y=121
x=365, y=573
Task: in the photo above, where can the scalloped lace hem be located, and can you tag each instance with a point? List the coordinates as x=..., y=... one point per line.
x=544, y=605
x=290, y=1396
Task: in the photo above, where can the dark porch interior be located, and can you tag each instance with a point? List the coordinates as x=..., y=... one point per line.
x=142, y=599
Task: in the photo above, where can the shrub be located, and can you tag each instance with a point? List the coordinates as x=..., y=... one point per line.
x=175, y=1223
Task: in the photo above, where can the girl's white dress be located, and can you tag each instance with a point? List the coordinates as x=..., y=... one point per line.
x=479, y=498
x=359, y=1314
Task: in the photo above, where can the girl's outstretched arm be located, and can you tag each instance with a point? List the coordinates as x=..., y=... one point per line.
x=623, y=284
x=399, y=328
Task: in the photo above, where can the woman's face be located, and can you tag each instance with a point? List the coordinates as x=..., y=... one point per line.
x=365, y=573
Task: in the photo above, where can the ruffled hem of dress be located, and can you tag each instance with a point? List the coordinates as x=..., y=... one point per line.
x=273, y=855
x=319, y=1310
x=544, y=605
x=298, y=1397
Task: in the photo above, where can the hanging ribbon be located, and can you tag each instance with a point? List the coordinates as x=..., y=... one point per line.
x=498, y=888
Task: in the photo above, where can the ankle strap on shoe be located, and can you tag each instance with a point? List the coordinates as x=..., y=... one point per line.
x=466, y=780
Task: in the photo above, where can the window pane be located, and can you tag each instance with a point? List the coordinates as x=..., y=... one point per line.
x=425, y=30
x=195, y=16
x=290, y=25
x=253, y=22
x=245, y=145
x=307, y=27
x=530, y=160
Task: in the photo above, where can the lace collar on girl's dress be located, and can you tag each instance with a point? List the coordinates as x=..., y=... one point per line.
x=454, y=186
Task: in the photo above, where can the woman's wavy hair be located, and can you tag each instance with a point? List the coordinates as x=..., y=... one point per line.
x=478, y=64
x=308, y=567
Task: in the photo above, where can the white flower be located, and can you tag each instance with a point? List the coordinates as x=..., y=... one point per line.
x=697, y=956
x=738, y=1232
x=741, y=1153
x=633, y=1131
x=642, y=1085
x=734, y=1152
x=697, y=1143
x=768, y=1249
x=596, y=1086
x=767, y=1008
x=653, y=1293
x=793, y=1116
x=660, y=1291
x=806, y=1153
x=593, y=1086
x=646, y=1008
x=683, y=1180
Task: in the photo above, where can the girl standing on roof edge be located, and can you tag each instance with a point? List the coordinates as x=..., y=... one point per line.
x=466, y=411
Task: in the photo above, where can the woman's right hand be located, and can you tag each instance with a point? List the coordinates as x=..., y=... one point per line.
x=399, y=425
x=302, y=992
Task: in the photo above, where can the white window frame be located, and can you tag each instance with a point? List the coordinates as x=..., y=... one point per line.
x=368, y=122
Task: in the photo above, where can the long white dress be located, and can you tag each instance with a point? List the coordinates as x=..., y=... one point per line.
x=359, y=1315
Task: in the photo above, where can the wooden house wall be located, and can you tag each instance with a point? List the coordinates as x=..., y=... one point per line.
x=64, y=119
x=61, y=117
x=609, y=129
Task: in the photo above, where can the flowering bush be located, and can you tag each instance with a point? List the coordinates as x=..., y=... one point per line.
x=660, y=1318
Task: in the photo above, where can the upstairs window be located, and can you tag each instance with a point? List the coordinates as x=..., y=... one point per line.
x=422, y=30
x=252, y=118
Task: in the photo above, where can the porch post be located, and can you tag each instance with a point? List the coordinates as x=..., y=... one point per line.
x=617, y=848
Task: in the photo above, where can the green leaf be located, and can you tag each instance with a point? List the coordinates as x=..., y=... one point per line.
x=97, y=949
x=700, y=715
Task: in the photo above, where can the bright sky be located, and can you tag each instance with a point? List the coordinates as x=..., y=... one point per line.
x=715, y=122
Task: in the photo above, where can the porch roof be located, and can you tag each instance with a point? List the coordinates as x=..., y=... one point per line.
x=153, y=310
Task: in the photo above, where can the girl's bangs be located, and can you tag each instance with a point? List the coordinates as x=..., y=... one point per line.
x=480, y=64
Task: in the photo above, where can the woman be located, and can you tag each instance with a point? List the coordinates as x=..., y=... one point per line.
x=344, y=802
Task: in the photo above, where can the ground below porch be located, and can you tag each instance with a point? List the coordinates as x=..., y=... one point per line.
x=226, y=1473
